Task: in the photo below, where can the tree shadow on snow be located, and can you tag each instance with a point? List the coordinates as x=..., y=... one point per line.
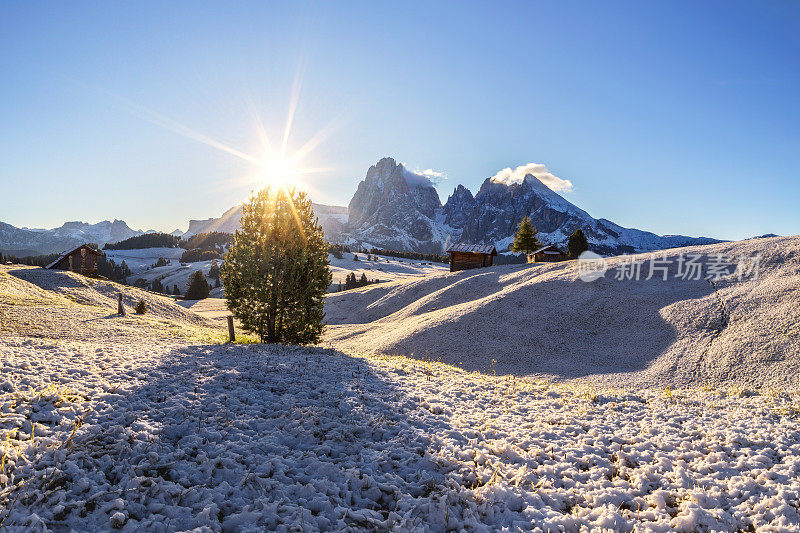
x=256, y=435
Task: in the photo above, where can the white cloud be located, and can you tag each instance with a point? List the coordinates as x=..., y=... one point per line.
x=509, y=176
x=424, y=178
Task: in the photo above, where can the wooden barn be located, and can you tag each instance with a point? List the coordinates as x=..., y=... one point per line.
x=82, y=260
x=547, y=254
x=464, y=256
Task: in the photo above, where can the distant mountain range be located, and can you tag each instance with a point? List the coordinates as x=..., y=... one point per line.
x=332, y=218
x=399, y=209
x=24, y=241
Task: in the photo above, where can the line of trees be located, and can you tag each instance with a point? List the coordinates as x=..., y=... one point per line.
x=148, y=240
x=198, y=254
x=437, y=258
x=215, y=240
x=352, y=282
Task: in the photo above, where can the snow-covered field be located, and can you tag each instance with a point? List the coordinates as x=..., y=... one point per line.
x=140, y=262
x=382, y=268
x=148, y=423
x=540, y=320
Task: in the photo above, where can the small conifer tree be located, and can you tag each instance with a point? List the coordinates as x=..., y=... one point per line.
x=525, y=240
x=213, y=272
x=276, y=271
x=198, y=288
x=175, y=290
x=141, y=307
x=577, y=244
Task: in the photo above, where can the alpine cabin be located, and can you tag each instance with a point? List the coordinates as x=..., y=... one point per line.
x=465, y=256
x=82, y=260
x=547, y=254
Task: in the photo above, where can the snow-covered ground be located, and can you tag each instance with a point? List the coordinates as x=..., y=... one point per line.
x=141, y=423
x=382, y=268
x=140, y=261
x=541, y=320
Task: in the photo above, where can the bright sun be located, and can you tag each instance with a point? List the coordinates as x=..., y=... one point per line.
x=278, y=172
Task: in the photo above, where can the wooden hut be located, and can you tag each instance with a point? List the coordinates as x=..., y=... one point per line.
x=547, y=254
x=82, y=260
x=464, y=256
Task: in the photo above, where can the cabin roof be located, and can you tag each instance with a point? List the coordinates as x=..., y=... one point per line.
x=549, y=249
x=70, y=252
x=472, y=248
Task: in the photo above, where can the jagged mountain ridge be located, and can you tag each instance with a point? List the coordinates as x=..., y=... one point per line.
x=24, y=241
x=396, y=208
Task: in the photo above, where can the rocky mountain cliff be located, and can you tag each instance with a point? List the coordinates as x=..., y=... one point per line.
x=396, y=209
x=399, y=209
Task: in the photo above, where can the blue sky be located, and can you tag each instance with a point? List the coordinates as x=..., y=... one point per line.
x=673, y=117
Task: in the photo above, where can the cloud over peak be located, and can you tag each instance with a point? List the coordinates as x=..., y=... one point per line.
x=424, y=178
x=539, y=170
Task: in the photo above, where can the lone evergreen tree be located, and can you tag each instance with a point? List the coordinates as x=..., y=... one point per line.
x=525, y=240
x=276, y=271
x=213, y=272
x=175, y=290
x=198, y=288
x=577, y=244
x=141, y=307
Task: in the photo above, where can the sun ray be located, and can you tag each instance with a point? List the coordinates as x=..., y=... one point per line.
x=317, y=139
x=293, y=100
x=273, y=167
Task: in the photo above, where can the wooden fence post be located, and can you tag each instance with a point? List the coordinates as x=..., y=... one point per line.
x=120, y=309
x=231, y=332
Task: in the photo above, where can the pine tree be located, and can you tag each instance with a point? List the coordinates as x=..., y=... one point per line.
x=213, y=272
x=525, y=240
x=141, y=307
x=156, y=286
x=175, y=290
x=198, y=288
x=276, y=271
x=577, y=244
x=363, y=282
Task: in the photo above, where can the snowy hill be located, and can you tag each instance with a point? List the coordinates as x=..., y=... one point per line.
x=541, y=320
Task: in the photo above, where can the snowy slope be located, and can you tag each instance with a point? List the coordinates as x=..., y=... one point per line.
x=382, y=268
x=540, y=320
x=116, y=423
